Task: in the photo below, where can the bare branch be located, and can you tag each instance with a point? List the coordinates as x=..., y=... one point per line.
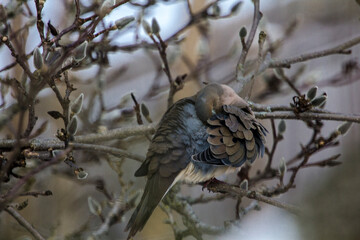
x=116, y=134
x=13, y=191
x=105, y=149
x=235, y=191
x=44, y=144
x=256, y=19
x=18, y=58
x=22, y=221
x=36, y=194
x=339, y=49
x=308, y=116
x=117, y=211
x=282, y=108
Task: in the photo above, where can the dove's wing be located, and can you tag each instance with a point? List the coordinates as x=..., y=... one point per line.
x=166, y=158
x=234, y=137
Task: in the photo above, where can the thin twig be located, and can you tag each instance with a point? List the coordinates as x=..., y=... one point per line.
x=256, y=19
x=36, y=194
x=13, y=191
x=236, y=192
x=105, y=149
x=190, y=220
x=282, y=108
x=39, y=22
x=161, y=46
x=328, y=162
x=117, y=211
x=18, y=58
x=22, y=221
x=283, y=77
x=77, y=6
x=276, y=139
x=308, y=116
x=116, y=134
x=202, y=199
x=259, y=61
x=339, y=49
x=45, y=144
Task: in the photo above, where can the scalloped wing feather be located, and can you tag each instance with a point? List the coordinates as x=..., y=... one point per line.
x=235, y=136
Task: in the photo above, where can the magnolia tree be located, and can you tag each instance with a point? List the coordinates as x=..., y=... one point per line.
x=87, y=40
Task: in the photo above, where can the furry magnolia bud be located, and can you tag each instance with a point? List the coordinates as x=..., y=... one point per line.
x=80, y=51
x=282, y=167
x=76, y=105
x=106, y=7
x=244, y=185
x=146, y=27
x=282, y=127
x=243, y=32
x=216, y=10
x=155, y=27
x=38, y=59
x=319, y=101
x=73, y=125
x=145, y=112
x=344, y=127
x=236, y=7
x=312, y=93
x=123, y=22
x=53, y=55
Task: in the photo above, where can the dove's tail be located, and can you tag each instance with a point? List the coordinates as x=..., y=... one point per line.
x=155, y=189
x=141, y=214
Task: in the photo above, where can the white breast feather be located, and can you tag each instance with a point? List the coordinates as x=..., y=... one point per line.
x=190, y=175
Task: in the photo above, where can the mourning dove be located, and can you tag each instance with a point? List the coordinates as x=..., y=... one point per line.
x=198, y=138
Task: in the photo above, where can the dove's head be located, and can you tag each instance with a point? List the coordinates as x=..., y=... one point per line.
x=211, y=98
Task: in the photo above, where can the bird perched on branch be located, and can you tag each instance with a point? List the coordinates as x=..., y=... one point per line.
x=198, y=138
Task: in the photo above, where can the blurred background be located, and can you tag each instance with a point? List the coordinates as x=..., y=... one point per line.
x=207, y=52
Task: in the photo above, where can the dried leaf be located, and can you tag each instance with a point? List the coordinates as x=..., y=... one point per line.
x=236, y=7
x=55, y=114
x=53, y=30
